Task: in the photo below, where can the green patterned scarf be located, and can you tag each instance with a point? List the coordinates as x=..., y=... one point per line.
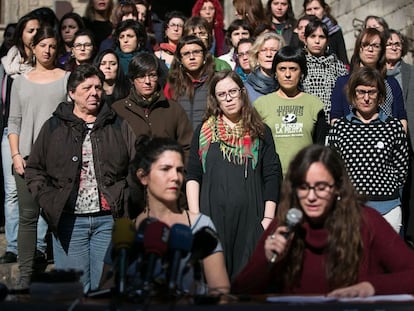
x=236, y=144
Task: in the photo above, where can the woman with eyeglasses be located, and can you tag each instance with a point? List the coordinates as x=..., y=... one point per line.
x=83, y=49
x=396, y=49
x=341, y=248
x=212, y=11
x=189, y=77
x=69, y=24
x=296, y=118
x=243, y=58
x=237, y=30
x=369, y=51
x=173, y=30
x=233, y=152
x=261, y=80
x=198, y=26
x=323, y=67
x=373, y=145
x=149, y=112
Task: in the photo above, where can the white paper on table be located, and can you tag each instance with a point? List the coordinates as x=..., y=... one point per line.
x=322, y=299
x=403, y=297
x=301, y=299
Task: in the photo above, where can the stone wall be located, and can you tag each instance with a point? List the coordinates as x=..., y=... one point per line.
x=349, y=13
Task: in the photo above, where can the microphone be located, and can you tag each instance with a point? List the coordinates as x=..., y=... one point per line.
x=123, y=235
x=139, y=237
x=138, y=250
x=180, y=242
x=205, y=242
x=155, y=245
x=293, y=217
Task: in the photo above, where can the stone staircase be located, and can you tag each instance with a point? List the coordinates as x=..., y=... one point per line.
x=9, y=273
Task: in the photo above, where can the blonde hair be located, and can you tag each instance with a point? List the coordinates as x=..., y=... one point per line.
x=258, y=43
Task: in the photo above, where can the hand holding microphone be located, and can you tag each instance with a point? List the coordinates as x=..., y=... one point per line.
x=277, y=242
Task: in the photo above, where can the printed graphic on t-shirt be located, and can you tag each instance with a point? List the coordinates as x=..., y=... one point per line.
x=289, y=125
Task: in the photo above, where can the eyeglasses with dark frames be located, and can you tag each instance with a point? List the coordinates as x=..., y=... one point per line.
x=232, y=93
x=321, y=189
x=152, y=77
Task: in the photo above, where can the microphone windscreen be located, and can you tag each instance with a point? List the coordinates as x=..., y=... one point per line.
x=123, y=233
x=205, y=242
x=181, y=238
x=293, y=217
x=156, y=238
x=139, y=237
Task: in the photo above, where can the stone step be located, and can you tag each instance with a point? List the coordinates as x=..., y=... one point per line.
x=9, y=273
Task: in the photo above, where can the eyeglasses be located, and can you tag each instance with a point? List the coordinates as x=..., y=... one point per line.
x=80, y=46
x=189, y=54
x=367, y=46
x=395, y=45
x=233, y=93
x=267, y=50
x=172, y=25
x=242, y=54
x=321, y=189
x=361, y=93
x=151, y=76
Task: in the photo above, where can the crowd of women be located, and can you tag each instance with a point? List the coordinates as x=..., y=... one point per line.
x=107, y=116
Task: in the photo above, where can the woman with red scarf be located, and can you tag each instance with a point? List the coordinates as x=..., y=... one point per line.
x=234, y=171
x=173, y=31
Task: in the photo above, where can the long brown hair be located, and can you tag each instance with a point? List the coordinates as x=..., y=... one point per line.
x=251, y=120
x=252, y=11
x=179, y=81
x=343, y=222
x=368, y=34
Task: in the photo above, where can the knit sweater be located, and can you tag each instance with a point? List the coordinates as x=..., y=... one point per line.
x=320, y=80
x=387, y=263
x=375, y=154
x=31, y=104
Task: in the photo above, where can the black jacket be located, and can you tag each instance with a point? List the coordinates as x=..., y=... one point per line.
x=54, y=166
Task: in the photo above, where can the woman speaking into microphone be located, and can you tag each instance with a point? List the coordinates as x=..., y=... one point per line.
x=341, y=248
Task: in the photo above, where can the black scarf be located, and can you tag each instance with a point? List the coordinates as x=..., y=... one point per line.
x=262, y=83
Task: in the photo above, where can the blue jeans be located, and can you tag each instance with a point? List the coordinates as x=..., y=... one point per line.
x=81, y=244
x=11, y=204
